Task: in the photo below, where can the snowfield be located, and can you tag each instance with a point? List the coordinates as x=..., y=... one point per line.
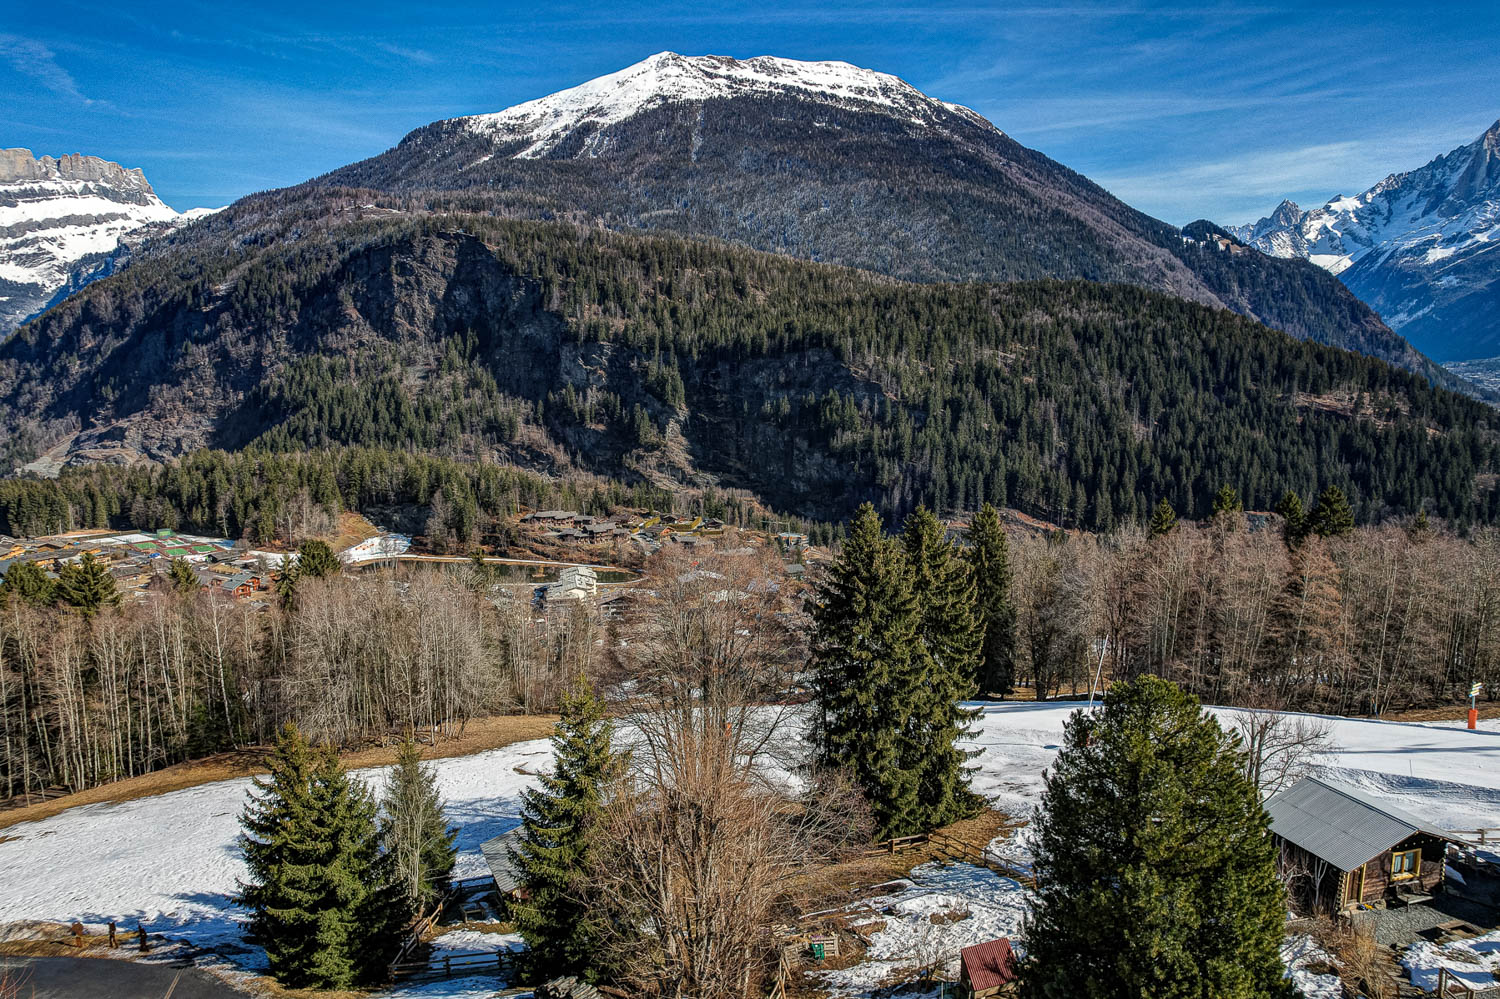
x=172, y=861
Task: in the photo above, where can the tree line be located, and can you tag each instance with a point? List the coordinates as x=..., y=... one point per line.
x=1302, y=611
x=90, y=696
x=1076, y=402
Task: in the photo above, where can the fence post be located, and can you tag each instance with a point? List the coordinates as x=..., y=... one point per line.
x=448, y=965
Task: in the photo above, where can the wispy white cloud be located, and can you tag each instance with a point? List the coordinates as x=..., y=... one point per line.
x=37, y=61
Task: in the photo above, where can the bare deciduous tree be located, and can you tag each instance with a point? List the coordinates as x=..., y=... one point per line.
x=705, y=844
x=1281, y=749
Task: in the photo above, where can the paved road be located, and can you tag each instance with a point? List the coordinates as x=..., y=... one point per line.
x=105, y=978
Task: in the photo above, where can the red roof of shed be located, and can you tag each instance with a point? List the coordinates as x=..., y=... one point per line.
x=989, y=965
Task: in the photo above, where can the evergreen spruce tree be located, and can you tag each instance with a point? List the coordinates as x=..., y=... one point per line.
x=1420, y=529
x=1331, y=517
x=559, y=822
x=951, y=635
x=1228, y=509
x=316, y=560
x=319, y=892
x=414, y=833
x=1155, y=869
x=1294, y=519
x=989, y=557
x=1163, y=519
x=87, y=585
x=182, y=577
x=286, y=581
x=27, y=581
x=866, y=661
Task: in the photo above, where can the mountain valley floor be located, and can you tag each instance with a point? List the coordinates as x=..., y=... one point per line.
x=171, y=860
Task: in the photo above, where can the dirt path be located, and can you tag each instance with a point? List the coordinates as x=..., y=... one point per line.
x=478, y=736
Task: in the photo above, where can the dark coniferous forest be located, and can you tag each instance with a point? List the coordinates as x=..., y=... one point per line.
x=655, y=359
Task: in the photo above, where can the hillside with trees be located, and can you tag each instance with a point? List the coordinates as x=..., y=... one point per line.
x=662, y=362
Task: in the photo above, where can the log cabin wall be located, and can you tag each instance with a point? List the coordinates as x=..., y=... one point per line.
x=1378, y=882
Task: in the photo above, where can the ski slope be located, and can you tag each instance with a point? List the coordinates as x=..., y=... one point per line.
x=172, y=861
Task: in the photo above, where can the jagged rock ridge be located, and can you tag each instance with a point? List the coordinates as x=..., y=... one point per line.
x=64, y=222
x=1416, y=247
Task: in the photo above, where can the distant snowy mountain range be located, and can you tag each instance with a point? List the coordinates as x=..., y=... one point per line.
x=65, y=222
x=1419, y=247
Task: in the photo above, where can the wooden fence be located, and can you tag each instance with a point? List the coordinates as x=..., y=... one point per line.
x=1478, y=837
x=1449, y=987
x=953, y=848
x=400, y=967
x=461, y=963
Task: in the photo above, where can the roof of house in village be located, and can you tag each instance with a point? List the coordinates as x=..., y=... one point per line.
x=497, y=854
x=1339, y=824
x=989, y=965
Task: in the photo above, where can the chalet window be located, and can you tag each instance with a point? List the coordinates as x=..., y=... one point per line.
x=1405, y=863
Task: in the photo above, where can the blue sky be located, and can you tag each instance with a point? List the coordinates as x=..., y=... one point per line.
x=1184, y=111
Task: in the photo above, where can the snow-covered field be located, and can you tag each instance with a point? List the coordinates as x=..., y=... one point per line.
x=172, y=860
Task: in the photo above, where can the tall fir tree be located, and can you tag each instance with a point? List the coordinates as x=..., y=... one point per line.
x=1155, y=869
x=181, y=575
x=27, y=581
x=414, y=832
x=87, y=585
x=316, y=560
x=1293, y=519
x=867, y=659
x=559, y=823
x=989, y=559
x=319, y=892
x=950, y=633
x=1228, y=511
x=1163, y=519
x=1331, y=516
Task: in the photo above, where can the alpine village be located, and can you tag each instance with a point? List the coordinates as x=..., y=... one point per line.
x=735, y=527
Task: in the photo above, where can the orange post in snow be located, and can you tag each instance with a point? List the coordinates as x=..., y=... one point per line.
x=1473, y=718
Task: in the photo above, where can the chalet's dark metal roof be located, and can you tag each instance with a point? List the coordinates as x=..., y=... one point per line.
x=497, y=854
x=1339, y=824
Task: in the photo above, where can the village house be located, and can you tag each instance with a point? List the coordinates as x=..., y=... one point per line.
x=550, y=517
x=1339, y=848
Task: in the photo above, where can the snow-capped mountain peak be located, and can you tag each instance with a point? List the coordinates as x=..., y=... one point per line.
x=671, y=78
x=1409, y=244
x=63, y=220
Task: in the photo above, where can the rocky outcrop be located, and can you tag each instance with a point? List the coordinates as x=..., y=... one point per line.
x=65, y=222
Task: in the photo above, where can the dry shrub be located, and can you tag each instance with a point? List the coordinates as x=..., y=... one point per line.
x=1363, y=963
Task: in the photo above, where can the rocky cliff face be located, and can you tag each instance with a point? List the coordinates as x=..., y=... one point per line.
x=65, y=222
x=1417, y=247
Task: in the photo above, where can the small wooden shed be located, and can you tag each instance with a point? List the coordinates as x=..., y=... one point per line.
x=988, y=969
x=1340, y=847
x=498, y=855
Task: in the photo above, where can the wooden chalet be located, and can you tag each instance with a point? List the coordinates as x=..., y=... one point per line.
x=1340, y=848
x=987, y=969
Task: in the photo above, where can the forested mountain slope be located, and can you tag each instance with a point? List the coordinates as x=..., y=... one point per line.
x=844, y=165
x=660, y=360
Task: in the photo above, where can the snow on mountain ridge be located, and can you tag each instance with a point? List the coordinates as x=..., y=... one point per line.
x=1410, y=240
x=61, y=219
x=668, y=77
